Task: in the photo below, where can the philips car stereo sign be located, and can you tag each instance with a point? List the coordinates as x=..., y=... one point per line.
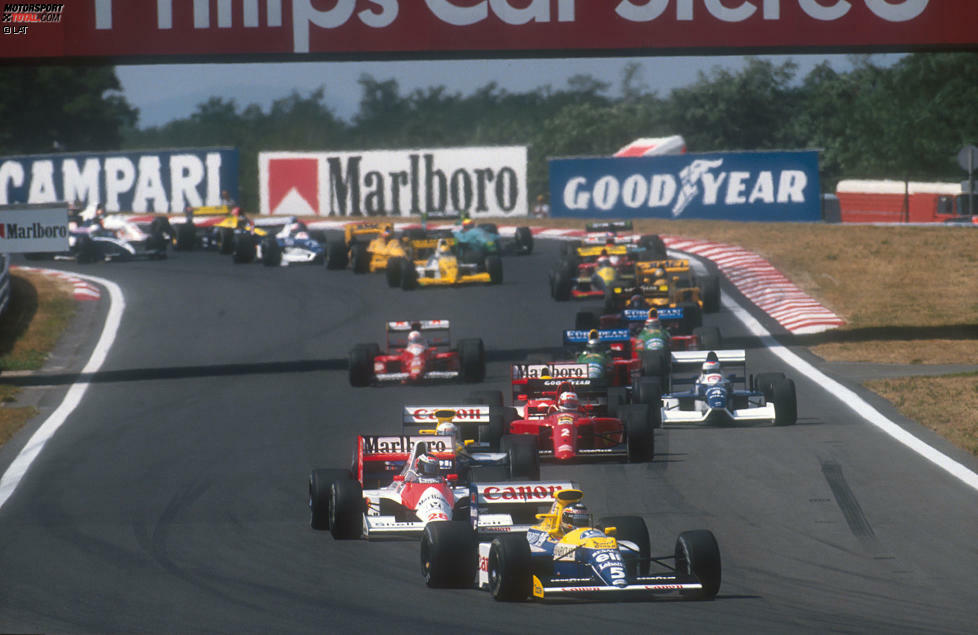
x=748, y=186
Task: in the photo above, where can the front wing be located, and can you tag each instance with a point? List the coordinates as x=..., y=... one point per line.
x=672, y=414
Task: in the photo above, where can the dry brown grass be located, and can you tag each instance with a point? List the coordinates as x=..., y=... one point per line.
x=39, y=312
x=943, y=404
x=908, y=294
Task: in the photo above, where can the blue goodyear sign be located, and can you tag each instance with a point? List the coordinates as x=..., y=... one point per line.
x=132, y=181
x=745, y=186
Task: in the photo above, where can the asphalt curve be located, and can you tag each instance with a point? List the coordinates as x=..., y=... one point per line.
x=173, y=499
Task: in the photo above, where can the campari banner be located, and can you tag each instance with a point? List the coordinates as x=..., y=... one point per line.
x=144, y=181
x=745, y=186
x=478, y=182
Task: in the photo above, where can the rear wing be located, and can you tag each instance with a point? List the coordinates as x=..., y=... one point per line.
x=666, y=314
x=690, y=361
x=615, y=225
x=593, y=251
x=417, y=419
x=574, y=336
x=511, y=506
x=437, y=332
x=536, y=381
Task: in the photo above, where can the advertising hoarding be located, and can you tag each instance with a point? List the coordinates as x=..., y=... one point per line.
x=747, y=186
x=478, y=182
x=127, y=30
x=130, y=181
x=33, y=228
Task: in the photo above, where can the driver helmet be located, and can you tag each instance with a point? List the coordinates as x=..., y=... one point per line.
x=415, y=338
x=614, y=260
x=711, y=367
x=652, y=321
x=468, y=223
x=574, y=517
x=426, y=465
x=447, y=429
x=568, y=402
x=603, y=260
x=594, y=342
x=443, y=248
x=635, y=302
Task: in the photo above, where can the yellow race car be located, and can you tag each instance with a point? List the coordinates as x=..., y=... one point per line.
x=366, y=246
x=443, y=267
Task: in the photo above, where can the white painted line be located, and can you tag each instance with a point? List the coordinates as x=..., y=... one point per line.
x=18, y=468
x=850, y=398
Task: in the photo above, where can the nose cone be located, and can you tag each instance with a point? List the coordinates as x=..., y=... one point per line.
x=565, y=438
x=716, y=398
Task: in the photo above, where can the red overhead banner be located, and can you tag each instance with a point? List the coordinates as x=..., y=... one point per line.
x=158, y=30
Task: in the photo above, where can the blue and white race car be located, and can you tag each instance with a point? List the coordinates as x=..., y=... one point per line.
x=564, y=554
x=716, y=398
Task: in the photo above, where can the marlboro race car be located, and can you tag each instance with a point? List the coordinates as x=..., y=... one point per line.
x=575, y=417
x=714, y=398
x=566, y=555
x=417, y=351
x=400, y=484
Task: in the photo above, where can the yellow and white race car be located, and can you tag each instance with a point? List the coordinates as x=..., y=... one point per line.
x=444, y=268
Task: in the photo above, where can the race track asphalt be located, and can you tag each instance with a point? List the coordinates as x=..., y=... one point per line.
x=174, y=498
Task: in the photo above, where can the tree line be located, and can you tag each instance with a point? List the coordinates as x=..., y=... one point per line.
x=905, y=121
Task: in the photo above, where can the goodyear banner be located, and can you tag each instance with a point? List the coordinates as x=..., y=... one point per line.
x=745, y=186
x=33, y=228
x=136, y=181
x=479, y=182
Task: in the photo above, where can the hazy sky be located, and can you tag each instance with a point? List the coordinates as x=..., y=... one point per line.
x=166, y=92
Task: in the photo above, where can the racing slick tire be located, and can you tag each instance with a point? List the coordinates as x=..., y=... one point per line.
x=709, y=293
x=617, y=397
x=409, y=276
x=86, y=250
x=320, y=482
x=156, y=246
x=510, y=574
x=698, y=559
x=560, y=287
x=494, y=265
x=359, y=258
x=244, y=248
x=449, y=555
x=393, y=272
x=785, y=402
x=524, y=240
x=653, y=247
x=271, y=252
x=639, y=432
x=764, y=383
x=655, y=363
x=709, y=337
x=524, y=460
x=161, y=225
x=361, y=364
x=225, y=240
x=492, y=432
x=634, y=530
x=346, y=510
x=184, y=237
x=586, y=320
x=336, y=256
x=472, y=360
x=692, y=316
x=568, y=248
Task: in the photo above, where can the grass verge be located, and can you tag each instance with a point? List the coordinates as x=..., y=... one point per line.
x=40, y=310
x=945, y=404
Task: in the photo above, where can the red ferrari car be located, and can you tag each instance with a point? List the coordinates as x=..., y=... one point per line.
x=417, y=351
x=575, y=417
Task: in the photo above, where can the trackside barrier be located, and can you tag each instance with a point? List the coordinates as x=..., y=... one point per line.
x=4, y=282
